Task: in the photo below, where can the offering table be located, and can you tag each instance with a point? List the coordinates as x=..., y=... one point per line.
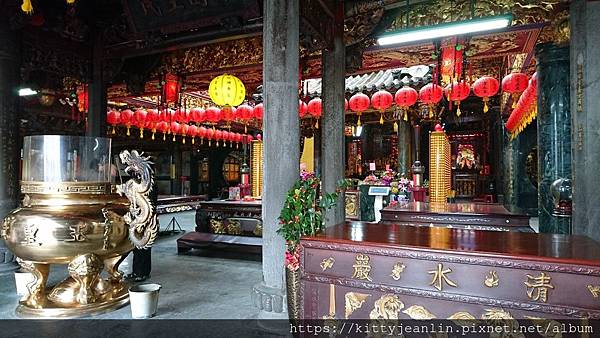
x=456, y=215
x=388, y=271
x=225, y=222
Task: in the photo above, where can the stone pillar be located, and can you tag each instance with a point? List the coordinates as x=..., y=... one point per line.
x=554, y=131
x=96, y=121
x=333, y=139
x=404, y=145
x=281, y=144
x=10, y=140
x=585, y=100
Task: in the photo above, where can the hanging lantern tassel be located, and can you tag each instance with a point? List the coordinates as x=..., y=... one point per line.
x=193, y=140
x=458, y=112
x=430, y=110
x=515, y=97
x=358, y=123
x=405, y=114
x=380, y=117
x=218, y=143
x=317, y=123
x=201, y=141
x=153, y=132
x=485, y=104
x=113, y=130
x=128, y=133
x=237, y=146
x=245, y=128
x=174, y=138
x=26, y=7
x=183, y=139
x=164, y=136
x=141, y=132
x=395, y=127
x=209, y=143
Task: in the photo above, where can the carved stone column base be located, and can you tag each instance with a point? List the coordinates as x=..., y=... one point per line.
x=272, y=303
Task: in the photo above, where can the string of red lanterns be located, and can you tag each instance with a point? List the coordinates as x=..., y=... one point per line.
x=525, y=110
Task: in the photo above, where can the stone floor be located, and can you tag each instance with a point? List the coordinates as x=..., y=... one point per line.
x=203, y=285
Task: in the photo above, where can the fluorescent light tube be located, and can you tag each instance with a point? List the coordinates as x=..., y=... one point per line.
x=445, y=30
x=26, y=92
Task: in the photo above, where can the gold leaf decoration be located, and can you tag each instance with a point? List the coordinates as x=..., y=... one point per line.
x=494, y=314
x=354, y=301
x=387, y=307
x=419, y=312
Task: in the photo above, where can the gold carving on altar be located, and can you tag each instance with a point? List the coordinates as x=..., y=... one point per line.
x=331, y=314
x=258, y=229
x=595, y=290
x=462, y=318
x=419, y=312
x=353, y=301
x=397, y=270
x=387, y=307
x=362, y=267
x=491, y=279
x=537, y=287
x=495, y=314
x=327, y=263
x=351, y=201
x=439, y=277
x=234, y=227
x=217, y=226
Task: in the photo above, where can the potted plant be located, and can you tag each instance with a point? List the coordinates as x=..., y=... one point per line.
x=302, y=215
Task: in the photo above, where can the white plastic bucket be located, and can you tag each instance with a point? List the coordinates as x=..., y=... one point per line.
x=144, y=300
x=23, y=278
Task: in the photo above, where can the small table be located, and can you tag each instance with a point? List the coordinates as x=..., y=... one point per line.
x=456, y=215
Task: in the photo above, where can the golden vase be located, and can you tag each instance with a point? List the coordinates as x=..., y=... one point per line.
x=70, y=215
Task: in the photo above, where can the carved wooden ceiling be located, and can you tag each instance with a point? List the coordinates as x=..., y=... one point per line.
x=203, y=38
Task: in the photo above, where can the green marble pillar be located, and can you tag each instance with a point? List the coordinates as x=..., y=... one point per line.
x=554, y=131
x=404, y=144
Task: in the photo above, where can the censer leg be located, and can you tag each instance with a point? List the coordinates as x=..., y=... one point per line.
x=111, y=265
x=85, y=269
x=37, y=288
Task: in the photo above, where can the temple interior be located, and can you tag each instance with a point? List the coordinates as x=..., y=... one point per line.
x=328, y=160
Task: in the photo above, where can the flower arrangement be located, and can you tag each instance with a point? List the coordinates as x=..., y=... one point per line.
x=371, y=180
x=388, y=177
x=302, y=214
x=405, y=185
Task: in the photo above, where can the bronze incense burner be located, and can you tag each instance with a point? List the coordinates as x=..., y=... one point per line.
x=70, y=215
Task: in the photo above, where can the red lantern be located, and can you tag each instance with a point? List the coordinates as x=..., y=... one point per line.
x=140, y=120
x=345, y=104
x=258, y=111
x=163, y=127
x=358, y=103
x=485, y=87
x=515, y=83
x=171, y=88
x=127, y=119
x=404, y=98
x=533, y=80
x=244, y=112
x=184, y=132
x=152, y=119
x=210, y=134
x=198, y=115
x=228, y=113
x=249, y=138
x=302, y=108
x=431, y=94
x=218, y=135
x=113, y=118
x=381, y=101
x=315, y=108
x=213, y=114
x=193, y=132
x=175, y=129
x=456, y=92
x=452, y=60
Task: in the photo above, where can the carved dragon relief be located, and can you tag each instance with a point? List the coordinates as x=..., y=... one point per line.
x=141, y=218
